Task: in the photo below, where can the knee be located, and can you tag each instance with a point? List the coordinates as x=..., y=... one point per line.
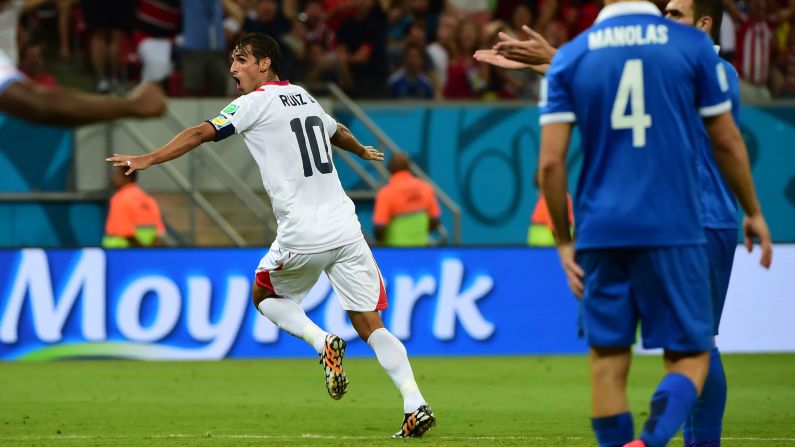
x=259, y=294
x=365, y=323
x=610, y=367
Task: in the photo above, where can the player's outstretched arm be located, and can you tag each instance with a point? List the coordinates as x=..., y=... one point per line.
x=731, y=156
x=552, y=173
x=535, y=51
x=491, y=57
x=344, y=139
x=532, y=54
x=184, y=142
x=64, y=107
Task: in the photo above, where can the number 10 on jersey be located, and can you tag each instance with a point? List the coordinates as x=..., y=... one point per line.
x=323, y=167
x=631, y=86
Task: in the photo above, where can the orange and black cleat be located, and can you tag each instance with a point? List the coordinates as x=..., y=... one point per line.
x=417, y=423
x=331, y=361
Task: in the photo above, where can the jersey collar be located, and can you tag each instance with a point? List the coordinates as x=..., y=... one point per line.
x=627, y=8
x=281, y=83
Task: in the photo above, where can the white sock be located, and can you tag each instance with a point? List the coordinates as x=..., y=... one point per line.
x=392, y=356
x=289, y=316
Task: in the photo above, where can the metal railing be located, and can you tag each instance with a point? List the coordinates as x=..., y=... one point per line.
x=54, y=196
x=260, y=208
x=186, y=187
x=385, y=142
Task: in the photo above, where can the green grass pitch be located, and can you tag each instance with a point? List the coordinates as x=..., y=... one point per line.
x=487, y=401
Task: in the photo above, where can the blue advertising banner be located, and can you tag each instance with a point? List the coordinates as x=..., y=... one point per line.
x=195, y=304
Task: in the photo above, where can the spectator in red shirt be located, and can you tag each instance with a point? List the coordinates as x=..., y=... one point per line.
x=337, y=11
x=755, y=45
x=157, y=24
x=466, y=78
x=578, y=15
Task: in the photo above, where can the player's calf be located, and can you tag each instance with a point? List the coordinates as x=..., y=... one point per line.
x=259, y=294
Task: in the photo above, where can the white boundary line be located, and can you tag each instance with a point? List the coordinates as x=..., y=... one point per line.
x=332, y=437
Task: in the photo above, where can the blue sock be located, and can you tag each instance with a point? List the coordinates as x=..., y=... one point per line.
x=704, y=426
x=614, y=431
x=670, y=406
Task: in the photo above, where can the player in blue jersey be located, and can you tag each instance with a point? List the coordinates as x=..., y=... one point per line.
x=636, y=85
x=719, y=209
x=703, y=427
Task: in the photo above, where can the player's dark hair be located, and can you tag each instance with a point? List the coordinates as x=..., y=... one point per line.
x=713, y=9
x=260, y=46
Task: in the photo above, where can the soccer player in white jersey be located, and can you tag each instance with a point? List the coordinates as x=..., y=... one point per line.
x=290, y=136
x=63, y=107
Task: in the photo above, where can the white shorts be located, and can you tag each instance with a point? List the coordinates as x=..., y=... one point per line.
x=352, y=270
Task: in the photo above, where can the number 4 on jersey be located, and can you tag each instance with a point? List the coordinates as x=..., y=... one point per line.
x=631, y=85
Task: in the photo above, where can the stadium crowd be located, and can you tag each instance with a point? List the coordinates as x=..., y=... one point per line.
x=419, y=49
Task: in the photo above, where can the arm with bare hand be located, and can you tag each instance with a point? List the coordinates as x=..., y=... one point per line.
x=514, y=54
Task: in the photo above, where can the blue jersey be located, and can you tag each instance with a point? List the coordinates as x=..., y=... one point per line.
x=717, y=201
x=636, y=84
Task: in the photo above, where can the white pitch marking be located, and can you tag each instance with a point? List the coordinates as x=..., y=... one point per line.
x=333, y=437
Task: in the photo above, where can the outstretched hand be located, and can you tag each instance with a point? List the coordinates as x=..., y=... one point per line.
x=491, y=57
x=371, y=153
x=510, y=53
x=133, y=162
x=534, y=51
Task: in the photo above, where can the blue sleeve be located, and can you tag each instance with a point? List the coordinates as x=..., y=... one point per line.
x=712, y=82
x=734, y=90
x=555, y=99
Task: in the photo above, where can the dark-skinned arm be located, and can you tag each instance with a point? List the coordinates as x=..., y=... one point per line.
x=553, y=179
x=344, y=139
x=731, y=156
x=552, y=176
x=64, y=107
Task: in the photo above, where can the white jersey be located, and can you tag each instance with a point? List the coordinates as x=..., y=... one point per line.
x=8, y=73
x=287, y=133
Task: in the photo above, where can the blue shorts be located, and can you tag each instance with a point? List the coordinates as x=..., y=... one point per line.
x=666, y=289
x=721, y=245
